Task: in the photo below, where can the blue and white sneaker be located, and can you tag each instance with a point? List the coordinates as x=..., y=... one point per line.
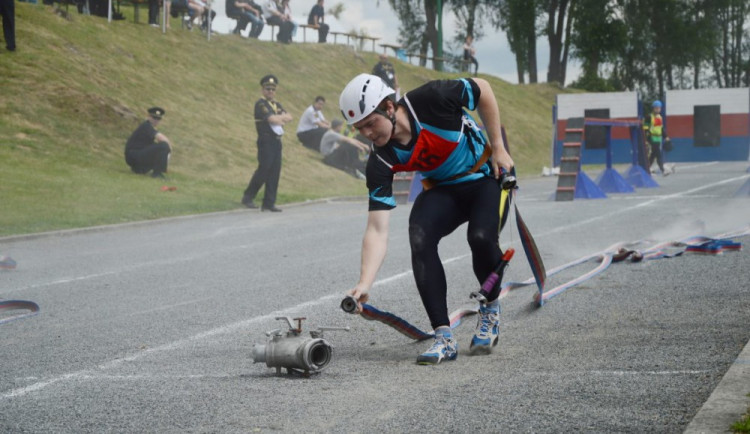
x=488, y=327
x=443, y=348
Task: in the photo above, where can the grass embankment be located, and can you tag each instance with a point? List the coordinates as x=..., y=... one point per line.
x=77, y=87
x=742, y=426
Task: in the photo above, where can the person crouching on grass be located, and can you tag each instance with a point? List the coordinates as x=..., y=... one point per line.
x=147, y=150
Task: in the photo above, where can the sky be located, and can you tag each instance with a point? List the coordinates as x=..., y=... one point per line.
x=493, y=54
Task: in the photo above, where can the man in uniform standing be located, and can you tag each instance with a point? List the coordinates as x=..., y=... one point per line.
x=270, y=118
x=385, y=70
x=147, y=149
x=8, y=11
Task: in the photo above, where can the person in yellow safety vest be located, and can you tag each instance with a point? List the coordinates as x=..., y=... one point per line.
x=653, y=126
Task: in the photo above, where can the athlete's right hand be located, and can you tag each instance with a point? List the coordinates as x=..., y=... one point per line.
x=361, y=293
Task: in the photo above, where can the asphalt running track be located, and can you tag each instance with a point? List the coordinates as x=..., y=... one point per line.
x=148, y=327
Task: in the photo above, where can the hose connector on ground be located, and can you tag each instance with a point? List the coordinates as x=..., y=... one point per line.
x=294, y=352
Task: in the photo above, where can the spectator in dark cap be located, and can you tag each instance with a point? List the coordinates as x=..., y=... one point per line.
x=147, y=150
x=270, y=118
x=8, y=11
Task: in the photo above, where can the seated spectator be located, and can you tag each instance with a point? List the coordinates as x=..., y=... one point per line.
x=342, y=152
x=100, y=8
x=273, y=14
x=176, y=8
x=287, y=11
x=181, y=7
x=153, y=13
x=245, y=12
x=316, y=18
x=197, y=12
x=196, y=8
x=167, y=11
x=147, y=149
x=203, y=19
x=312, y=124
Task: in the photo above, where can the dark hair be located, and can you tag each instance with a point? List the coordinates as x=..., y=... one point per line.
x=384, y=104
x=319, y=98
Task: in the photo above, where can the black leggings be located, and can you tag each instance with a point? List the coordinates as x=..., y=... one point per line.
x=656, y=155
x=438, y=212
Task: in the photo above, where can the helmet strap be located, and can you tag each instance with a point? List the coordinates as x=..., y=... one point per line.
x=392, y=118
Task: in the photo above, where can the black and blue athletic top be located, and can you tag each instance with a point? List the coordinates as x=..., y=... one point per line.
x=446, y=141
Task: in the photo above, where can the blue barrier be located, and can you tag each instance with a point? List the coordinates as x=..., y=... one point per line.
x=587, y=189
x=610, y=180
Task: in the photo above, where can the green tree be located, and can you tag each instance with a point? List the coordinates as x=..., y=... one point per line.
x=729, y=18
x=655, y=45
x=336, y=10
x=518, y=18
x=412, y=25
x=704, y=38
x=471, y=17
x=418, y=29
x=559, y=24
x=595, y=36
x=431, y=32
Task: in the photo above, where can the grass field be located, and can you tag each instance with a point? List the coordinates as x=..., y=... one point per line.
x=77, y=86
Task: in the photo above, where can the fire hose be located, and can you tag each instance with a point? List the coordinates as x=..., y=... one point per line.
x=616, y=253
x=30, y=307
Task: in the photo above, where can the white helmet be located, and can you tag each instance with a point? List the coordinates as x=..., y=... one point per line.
x=362, y=96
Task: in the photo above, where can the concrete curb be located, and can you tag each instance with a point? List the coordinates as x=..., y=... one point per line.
x=728, y=402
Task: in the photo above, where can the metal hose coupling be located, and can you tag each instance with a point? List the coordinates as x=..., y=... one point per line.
x=493, y=278
x=349, y=304
x=507, y=181
x=298, y=354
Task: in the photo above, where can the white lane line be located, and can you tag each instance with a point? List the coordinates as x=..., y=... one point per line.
x=229, y=328
x=411, y=272
x=406, y=273
x=152, y=264
x=693, y=166
x=631, y=197
x=171, y=306
x=692, y=190
x=641, y=205
x=624, y=373
x=243, y=324
x=139, y=377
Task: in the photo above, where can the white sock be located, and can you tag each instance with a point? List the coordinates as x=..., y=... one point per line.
x=444, y=331
x=493, y=305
